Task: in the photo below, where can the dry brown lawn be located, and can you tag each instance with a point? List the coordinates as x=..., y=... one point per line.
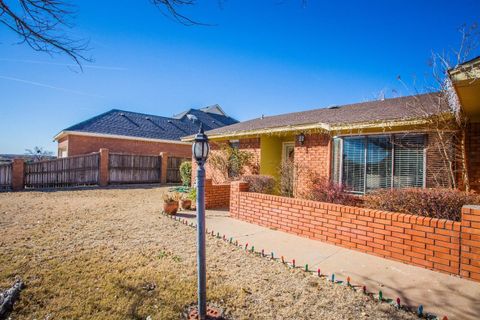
x=109, y=254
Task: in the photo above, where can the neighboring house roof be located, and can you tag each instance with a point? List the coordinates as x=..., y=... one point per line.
x=376, y=112
x=132, y=124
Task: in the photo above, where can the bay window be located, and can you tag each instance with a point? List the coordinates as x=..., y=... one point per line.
x=366, y=163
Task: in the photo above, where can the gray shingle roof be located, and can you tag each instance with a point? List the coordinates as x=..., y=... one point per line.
x=126, y=123
x=396, y=109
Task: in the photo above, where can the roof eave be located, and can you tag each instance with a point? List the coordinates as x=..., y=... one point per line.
x=317, y=126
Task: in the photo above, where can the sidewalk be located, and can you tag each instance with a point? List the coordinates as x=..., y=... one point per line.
x=439, y=293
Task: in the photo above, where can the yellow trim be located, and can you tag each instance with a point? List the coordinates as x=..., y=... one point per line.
x=375, y=126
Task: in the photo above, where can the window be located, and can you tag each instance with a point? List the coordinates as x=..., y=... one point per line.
x=366, y=163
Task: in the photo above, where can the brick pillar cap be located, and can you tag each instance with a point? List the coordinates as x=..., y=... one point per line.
x=471, y=206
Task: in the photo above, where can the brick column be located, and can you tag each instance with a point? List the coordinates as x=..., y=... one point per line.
x=18, y=174
x=470, y=243
x=104, y=174
x=209, y=193
x=163, y=174
x=235, y=188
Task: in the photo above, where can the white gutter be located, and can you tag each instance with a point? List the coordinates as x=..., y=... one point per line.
x=115, y=136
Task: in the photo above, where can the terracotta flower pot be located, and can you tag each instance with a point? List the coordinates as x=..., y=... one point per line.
x=170, y=207
x=185, y=204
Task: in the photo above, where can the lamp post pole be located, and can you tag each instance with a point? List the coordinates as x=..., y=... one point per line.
x=200, y=150
x=201, y=264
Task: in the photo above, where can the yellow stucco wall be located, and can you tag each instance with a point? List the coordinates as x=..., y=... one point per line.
x=271, y=153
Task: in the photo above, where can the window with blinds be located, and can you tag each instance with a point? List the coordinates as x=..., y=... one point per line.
x=366, y=163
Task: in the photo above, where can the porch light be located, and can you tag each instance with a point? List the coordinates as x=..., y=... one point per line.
x=200, y=147
x=301, y=138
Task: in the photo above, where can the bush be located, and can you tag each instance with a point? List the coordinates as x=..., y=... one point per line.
x=323, y=190
x=186, y=172
x=260, y=183
x=288, y=173
x=434, y=203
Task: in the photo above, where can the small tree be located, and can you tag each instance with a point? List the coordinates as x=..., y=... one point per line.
x=230, y=162
x=186, y=173
x=287, y=172
x=38, y=153
x=448, y=123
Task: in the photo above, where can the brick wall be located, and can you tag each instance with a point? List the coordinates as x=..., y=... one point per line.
x=217, y=196
x=421, y=241
x=470, y=257
x=473, y=154
x=311, y=159
x=437, y=172
x=78, y=145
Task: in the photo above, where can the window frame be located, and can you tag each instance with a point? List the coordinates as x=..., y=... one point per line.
x=391, y=137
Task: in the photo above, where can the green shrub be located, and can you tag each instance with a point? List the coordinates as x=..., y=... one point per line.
x=186, y=173
x=260, y=183
x=434, y=203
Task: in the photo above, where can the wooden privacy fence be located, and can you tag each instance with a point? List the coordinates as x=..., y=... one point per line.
x=173, y=169
x=129, y=168
x=5, y=176
x=101, y=168
x=63, y=172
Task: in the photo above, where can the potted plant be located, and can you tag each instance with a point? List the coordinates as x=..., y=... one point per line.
x=170, y=202
x=185, y=202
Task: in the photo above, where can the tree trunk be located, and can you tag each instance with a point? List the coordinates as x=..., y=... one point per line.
x=8, y=298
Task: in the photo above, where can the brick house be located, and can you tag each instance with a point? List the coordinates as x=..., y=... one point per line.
x=387, y=143
x=136, y=133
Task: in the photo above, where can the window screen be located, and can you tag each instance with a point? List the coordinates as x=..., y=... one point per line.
x=366, y=163
x=408, y=161
x=354, y=164
x=379, y=163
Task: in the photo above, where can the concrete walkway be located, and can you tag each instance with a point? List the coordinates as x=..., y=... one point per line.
x=439, y=293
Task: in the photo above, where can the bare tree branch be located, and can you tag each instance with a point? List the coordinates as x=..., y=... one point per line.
x=41, y=24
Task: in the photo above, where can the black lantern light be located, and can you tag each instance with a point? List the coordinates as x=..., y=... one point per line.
x=200, y=147
x=301, y=138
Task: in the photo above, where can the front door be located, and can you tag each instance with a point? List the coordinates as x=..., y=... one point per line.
x=288, y=151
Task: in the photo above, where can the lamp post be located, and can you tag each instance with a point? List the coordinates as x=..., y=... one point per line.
x=200, y=150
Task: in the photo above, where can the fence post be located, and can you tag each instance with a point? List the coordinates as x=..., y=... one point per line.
x=104, y=169
x=163, y=173
x=470, y=243
x=18, y=174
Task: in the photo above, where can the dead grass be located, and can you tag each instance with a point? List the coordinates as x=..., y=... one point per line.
x=109, y=254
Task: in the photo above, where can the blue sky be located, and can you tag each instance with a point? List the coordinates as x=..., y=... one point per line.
x=261, y=57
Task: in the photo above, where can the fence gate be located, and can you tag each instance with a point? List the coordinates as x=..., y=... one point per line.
x=173, y=169
x=129, y=168
x=5, y=177
x=63, y=172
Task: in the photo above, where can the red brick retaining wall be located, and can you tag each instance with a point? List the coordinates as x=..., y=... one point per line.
x=421, y=241
x=470, y=243
x=217, y=196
